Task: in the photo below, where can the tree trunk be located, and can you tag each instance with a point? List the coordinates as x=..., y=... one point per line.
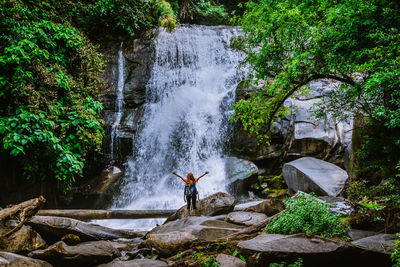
x=107, y=214
x=23, y=211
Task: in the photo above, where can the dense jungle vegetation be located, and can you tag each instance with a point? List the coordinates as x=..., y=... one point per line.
x=50, y=68
x=290, y=43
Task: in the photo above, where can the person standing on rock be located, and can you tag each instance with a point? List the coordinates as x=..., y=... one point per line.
x=190, y=190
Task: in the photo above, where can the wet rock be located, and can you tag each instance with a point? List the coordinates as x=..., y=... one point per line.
x=340, y=205
x=313, y=175
x=268, y=248
x=84, y=254
x=229, y=261
x=180, y=234
x=382, y=243
x=241, y=174
x=53, y=228
x=25, y=239
x=100, y=185
x=216, y=204
x=138, y=55
x=245, y=217
x=135, y=263
x=245, y=205
x=15, y=260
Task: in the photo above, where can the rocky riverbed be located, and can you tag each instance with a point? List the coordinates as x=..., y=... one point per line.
x=218, y=232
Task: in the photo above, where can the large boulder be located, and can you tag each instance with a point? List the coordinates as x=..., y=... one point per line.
x=84, y=254
x=313, y=175
x=216, y=204
x=180, y=234
x=241, y=174
x=54, y=228
x=269, y=248
x=229, y=261
x=25, y=239
x=14, y=260
x=135, y=263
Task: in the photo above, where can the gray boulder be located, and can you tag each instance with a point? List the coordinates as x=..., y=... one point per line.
x=25, y=239
x=135, y=263
x=229, y=261
x=313, y=175
x=241, y=174
x=54, y=228
x=216, y=204
x=180, y=234
x=245, y=217
x=84, y=254
x=268, y=248
x=14, y=260
x=382, y=243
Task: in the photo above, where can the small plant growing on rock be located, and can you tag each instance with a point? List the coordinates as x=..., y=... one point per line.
x=298, y=263
x=305, y=213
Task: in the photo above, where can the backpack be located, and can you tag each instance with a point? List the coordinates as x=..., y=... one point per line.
x=189, y=190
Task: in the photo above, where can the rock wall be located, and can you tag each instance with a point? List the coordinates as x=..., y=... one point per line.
x=298, y=135
x=138, y=54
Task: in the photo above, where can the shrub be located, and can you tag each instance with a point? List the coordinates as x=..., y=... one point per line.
x=305, y=213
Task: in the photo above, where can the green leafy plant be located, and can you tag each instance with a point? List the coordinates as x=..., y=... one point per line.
x=210, y=262
x=305, y=213
x=395, y=256
x=297, y=263
x=235, y=253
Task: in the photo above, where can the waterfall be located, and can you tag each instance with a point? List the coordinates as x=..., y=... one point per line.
x=119, y=102
x=185, y=126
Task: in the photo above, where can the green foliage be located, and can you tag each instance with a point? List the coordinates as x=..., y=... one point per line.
x=201, y=11
x=292, y=42
x=204, y=260
x=386, y=193
x=395, y=257
x=297, y=263
x=235, y=253
x=50, y=114
x=211, y=262
x=305, y=213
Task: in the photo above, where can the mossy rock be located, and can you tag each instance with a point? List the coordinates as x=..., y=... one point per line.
x=71, y=239
x=274, y=192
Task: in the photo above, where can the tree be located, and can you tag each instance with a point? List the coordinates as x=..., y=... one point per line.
x=290, y=43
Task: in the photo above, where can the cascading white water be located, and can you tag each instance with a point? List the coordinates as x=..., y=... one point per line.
x=119, y=103
x=185, y=125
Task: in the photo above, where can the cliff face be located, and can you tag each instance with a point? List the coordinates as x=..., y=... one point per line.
x=138, y=60
x=298, y=135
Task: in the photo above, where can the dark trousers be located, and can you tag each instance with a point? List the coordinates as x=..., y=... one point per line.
x=191, y=198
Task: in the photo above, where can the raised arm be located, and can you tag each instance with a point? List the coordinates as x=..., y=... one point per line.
x=183, y=179
x=202, y=175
